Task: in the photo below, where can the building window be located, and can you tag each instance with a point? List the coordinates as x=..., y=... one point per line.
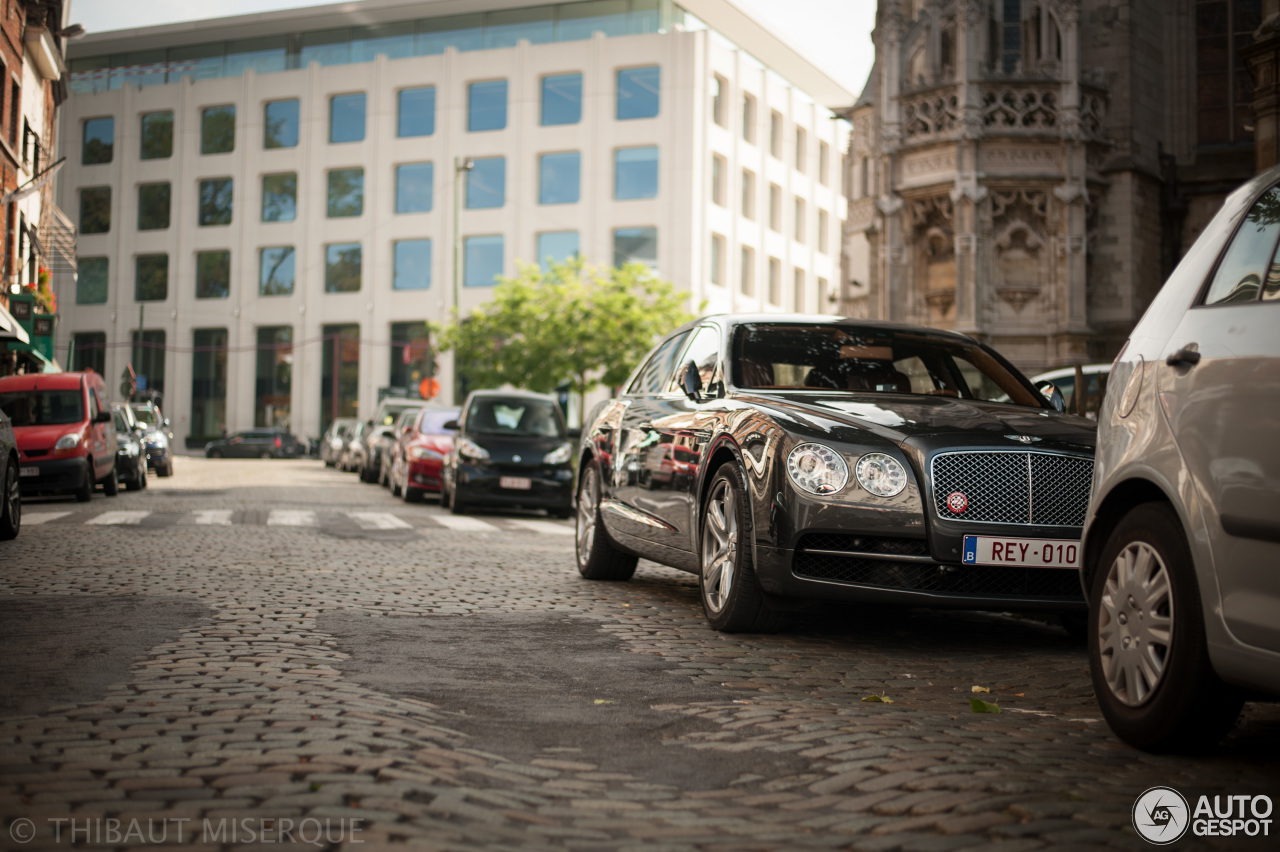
x=824, y=293
x=639, y=92
x=487, y=106
x=747, y=284
x=153, y=206
x=218, y=130
x=346, y=193
x=273, y=377
x=415, y=187
x=559, y=178
x=717, y=260
x=824, y=223
x=556, y=247
x=412, y=265
x=157, y=135
x=802, y=149
x=775, y=281
x=775, y=134
x=340, y=369
x=824, y=163
x=280, y=124
x=748, y=119
x=95, y=210
x=487, y=183
x=342, y=262
x=416, y=112
x=800, y=220
x=719, y=193
x=89, y=351
x=209, y=382
x=213, y=274
x=99, y=141
x=276, y=271
x=636, y=245
x=797, y=289
x=561, y=99
x=412, y=355
x=280, y=197
x=1224, y=86
x=91, y=282
x=346, y=118
x=147, y=357
x=775, y=208
x=720, y=100
x=635, y=173
x=215, y=201
x=482, y=260
x=151, y=278
x=749, y=194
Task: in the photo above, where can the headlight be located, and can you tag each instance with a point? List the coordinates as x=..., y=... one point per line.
x=129, y=448
x=881, y=475
x=469, y=449
x=424, y=453
x=817, y=469
x=68, y=441
x=155, y=438
x=559, y=455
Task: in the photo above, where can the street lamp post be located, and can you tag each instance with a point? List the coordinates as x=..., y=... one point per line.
x=461, y=165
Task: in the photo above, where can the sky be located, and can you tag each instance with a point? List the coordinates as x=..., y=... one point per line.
x=834, y=34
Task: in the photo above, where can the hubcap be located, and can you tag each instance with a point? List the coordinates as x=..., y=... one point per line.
x=719, y=546
x=13, y=495
x=586, y=532
x=1135, y=623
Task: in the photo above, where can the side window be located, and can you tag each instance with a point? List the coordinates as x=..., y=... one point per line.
x=1250, y=258
x=656, y=372
x=94, y=406
x=704, y=350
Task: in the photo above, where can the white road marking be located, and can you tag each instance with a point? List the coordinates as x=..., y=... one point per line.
x=118, y=518
x=461, y=523
x=291, y=518
x=543, y=527
x=212, y=517
x=378, y=521
x=33, y=518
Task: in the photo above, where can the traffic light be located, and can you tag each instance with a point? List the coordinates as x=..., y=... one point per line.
x=128, y=382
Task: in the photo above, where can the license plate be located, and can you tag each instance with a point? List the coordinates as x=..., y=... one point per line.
x=517, y=483
x=28, y=471
x=1022, y=552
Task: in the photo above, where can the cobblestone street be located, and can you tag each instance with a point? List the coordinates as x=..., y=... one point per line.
x=274, y=641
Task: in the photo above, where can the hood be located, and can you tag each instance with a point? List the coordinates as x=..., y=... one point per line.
x=440, y=443
x=44, y=437
x=503, y=448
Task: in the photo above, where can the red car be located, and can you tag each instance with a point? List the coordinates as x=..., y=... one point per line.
x=64, y=430
x=419, y=453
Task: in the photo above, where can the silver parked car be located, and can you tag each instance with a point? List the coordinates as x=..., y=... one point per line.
x=1182, y=540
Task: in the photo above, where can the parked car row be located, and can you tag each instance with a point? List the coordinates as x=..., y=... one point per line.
x=256, y=444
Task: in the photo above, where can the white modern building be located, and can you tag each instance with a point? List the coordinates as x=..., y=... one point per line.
x=269, y=195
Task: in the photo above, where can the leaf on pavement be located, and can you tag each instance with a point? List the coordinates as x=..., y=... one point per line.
x=980, y=689
x=603, y=701
x=878, y=698
x=980, y=706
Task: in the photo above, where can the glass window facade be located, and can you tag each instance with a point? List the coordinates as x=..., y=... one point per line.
x=218, y=130
x=340, y=371
x=415, y=187
x=748, y=118
x=717, y=259
x=346, y=193
x=95, y=210
x=151, y=278
x=412, y=356
x=720, y=100
x=342, y=267
x=412, y=265
x=638, y=245
x=280, y=197
x=213, y=274
x=719, y=194
x=89, y=351
x=639, y=92
x=559, y=178
x=153, y=206
x=91, y=282
x=276, y=271
x=487, y=183
x=482, y=260
x=635, y=173
x=561, y=99
x=556, y=247
x=747, y=268
x=147, y=357
x=99, y=141
x=416, y=112
x=346, y=118
x=157, y=136
x=215, y=202
x=487, y=106
x=209, y=382
x=280, y=124
x=273, y=376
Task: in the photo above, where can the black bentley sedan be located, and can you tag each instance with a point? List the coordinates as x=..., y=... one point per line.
x=786, y=459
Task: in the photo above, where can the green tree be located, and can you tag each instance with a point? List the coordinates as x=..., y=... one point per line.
x=574, y=323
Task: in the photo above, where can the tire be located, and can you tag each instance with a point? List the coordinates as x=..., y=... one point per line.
x=85, y=492
x=328, y=463
x=367, y=474
x=111, y=485
x=395, y=486
x=10, y=503
x=731, y=596
x=217, y=454
x=561, y=514
x=139, y=480
x=1077, y=626
x=265, y=454
x=456, y=506
x=444, y=493
x=167, y=470
x=1169, y=699
x=597, y=556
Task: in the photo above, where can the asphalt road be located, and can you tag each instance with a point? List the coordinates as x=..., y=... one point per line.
x=273, y=642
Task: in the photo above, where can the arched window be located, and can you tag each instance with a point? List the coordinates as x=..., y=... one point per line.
x=1224, y=88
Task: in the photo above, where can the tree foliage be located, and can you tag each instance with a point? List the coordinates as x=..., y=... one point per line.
x=574, y=323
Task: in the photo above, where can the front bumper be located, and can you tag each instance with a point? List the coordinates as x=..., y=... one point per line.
x=424, y=475
x=157, y=454
x=57, y=476
x=550, y=487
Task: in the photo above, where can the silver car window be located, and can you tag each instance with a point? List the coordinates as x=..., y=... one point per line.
x=1251, y=257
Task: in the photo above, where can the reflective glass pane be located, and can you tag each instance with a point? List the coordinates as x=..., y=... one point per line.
x=412, y=265
x=89, y=351
x=215, y=202
x=213, y=274
x=465, y=32
x=153, y=206
x=263, y=55
x=151, y=278
x=329, y=47
x=95, y=210
x=414, y=187
x=218, y=130
x=561, y=99
x=486, y=183
x=559, y=178
x=276, y=271
x=645, y=17
x=635, y=173
x=639, y=92
x=395, y=41
x=143, y=68
x=208, y=381
x=91, y=282
x=280, y=197
x=557, y=247
x=99, y=141
x=346, y=118
x=580, y=20
x=273, y=376
x=1240, y=273
x=280, y=124
x=416, y=112
x=157, y=136
x=504, y=29
x=198, y=61
x=635, y=244
x=346, y=193
x=487, y=105
x=342, y=262
x=482, y=260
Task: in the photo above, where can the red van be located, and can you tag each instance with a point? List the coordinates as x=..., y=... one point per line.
x=66, y=439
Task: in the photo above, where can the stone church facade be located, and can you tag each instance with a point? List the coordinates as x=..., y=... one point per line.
x=1029, y=171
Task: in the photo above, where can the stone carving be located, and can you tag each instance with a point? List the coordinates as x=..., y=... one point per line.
x=1028, y=204
x=1002, y=158
x=1093, y=109
x=1020, y=109
x=930, y=212
x=923, y=164
x=863, y=135
x=929, y=114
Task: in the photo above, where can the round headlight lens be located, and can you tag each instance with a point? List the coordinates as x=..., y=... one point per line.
x=67, y=441
x=817, y=469
x=882, y=475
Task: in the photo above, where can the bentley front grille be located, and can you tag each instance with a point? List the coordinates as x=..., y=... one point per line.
x=1012, y=487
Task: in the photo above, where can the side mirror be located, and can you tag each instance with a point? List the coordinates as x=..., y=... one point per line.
x=102, y=417
x=452, y=426
x=1050, y=392
x=691, y=381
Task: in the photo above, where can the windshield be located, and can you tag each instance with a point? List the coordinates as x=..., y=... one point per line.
x=392, y=412
x=121, y=424
x=769, y=356
x=432, y=422
x=43, y=407
x=147, y=416
x=514, y=417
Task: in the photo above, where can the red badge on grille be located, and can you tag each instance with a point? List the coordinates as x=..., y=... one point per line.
x=957, y=502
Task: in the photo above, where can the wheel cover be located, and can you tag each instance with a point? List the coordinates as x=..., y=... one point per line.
x=13, y=496
x=719, y=546
x=1135, y=623
x=588, y=497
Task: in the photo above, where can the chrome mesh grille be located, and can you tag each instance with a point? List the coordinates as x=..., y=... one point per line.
x=1013, y=487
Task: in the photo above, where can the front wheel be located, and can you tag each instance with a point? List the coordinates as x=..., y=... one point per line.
x=217, y=454
x=731, y=596
x=167, y=470
x=598, y=558
x=85, y=492
x=10, y=503
x=111, y=485
x=1148, y=658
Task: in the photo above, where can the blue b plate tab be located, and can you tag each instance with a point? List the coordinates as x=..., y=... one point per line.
x=969, y=555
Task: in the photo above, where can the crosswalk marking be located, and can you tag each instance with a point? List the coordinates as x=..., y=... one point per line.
x=291, y=518
x=378, y=521
x=118, y=518
x=212, y=517
x=33, y=518
x=543, y=527
x=463, y=524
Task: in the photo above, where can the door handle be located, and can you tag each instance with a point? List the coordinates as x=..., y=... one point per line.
x=646, y=426
x=1187, y=356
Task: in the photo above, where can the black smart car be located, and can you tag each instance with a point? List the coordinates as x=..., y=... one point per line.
x=255, y=444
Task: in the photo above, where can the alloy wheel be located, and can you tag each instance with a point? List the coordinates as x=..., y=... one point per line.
x=720, y=546
x=1135, y=623
x=587, y=497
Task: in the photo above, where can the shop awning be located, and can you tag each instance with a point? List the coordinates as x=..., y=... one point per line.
x=10, y=329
